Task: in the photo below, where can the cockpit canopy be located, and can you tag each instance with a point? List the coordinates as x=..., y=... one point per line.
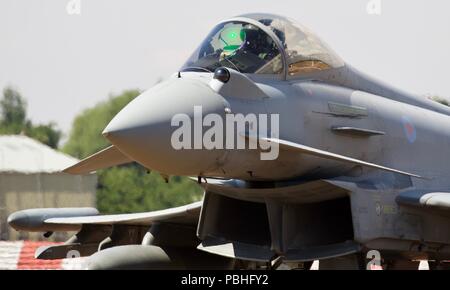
x=263, y=44
x=240, y=46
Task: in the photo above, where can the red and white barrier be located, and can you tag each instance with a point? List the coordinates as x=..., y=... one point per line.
x=20, y=256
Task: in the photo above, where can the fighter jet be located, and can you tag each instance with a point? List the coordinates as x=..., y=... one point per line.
x=301, y=158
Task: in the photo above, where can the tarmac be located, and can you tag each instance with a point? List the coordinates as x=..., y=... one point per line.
x=19, y=255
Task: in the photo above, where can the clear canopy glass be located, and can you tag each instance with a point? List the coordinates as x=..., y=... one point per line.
x=240, y=46
x=305, y=52
x=247, y=48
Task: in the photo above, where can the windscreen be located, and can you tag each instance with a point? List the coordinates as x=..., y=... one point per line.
x=305, y=52
x=237, y=45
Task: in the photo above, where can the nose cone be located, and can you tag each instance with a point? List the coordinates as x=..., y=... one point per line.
x=143, y=129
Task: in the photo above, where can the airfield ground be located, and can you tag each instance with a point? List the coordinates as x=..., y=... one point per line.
x=20, y=255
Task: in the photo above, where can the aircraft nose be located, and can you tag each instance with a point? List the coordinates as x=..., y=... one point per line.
x=143, y=129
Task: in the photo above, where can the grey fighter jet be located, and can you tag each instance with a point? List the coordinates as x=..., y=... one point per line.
x=320, y=162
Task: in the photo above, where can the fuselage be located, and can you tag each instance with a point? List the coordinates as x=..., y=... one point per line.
x=278, y=69
x=319, y=102
x=413, y=136
x=301, y=157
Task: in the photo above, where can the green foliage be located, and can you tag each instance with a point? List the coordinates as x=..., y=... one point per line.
x=14, y=120
x=47, y=134
x=127, y=188
x=86, y=135
x=14, y=113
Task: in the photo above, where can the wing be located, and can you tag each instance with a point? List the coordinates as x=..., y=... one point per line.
x=96, y=232
x=291, y=146
x=72, y=219
x=187, y=214
x=108, y=157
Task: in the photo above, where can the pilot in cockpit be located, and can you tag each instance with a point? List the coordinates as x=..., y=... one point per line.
x=237, y=45
x=263, y=44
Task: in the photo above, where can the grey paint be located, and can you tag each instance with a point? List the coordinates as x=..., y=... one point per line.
x=34, y=220
x=327, y=195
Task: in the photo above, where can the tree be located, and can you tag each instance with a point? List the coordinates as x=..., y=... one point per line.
x=126, y=188
x=47, y=134
x=86, y=134
x=131, y=188
x=14, y=120
x=13, y=109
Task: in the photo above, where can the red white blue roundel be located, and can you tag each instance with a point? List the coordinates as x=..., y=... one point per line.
x=409, y=129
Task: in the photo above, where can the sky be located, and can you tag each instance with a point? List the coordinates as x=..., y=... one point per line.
x=63, y=61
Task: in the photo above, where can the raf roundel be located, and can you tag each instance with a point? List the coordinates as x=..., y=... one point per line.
x=409, y=129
